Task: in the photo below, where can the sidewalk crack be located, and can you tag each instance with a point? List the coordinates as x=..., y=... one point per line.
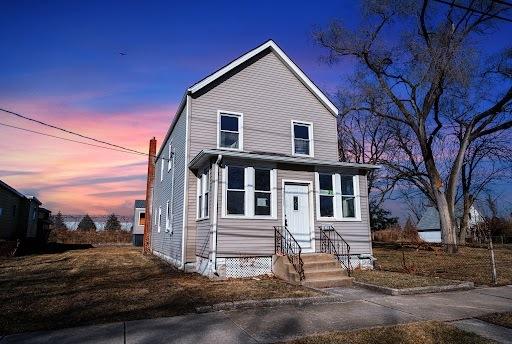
x=243, y=329
x=395, y=309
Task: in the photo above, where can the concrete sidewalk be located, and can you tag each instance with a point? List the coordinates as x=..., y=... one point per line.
x=263, y=325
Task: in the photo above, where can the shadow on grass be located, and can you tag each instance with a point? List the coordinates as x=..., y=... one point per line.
x=54, y=247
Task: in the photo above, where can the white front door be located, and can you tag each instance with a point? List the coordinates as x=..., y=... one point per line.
x=296, y=212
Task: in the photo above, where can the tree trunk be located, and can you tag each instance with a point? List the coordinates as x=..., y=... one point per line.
x=448, y=227
x=464, y=222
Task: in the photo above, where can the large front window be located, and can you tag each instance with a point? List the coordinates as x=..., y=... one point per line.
x=338, y=197
x=230, y=131
x=236, y=191
x=302, y=138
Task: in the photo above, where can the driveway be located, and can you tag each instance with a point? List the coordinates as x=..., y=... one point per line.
x=263, y=325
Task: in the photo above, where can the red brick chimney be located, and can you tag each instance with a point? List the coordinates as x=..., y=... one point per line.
x=149, y=196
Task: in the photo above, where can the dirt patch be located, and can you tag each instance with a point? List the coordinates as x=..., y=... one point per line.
x=501, y=319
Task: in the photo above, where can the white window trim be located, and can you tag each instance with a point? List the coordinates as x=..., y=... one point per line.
x=159, y=219
x=202, y=183
x=311, y=140
x=140, y=216
x=240, y=129
x=337, y=201
x=249, y=176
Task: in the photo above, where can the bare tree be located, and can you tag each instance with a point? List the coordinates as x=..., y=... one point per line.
x=487, y=161
x=420, y=57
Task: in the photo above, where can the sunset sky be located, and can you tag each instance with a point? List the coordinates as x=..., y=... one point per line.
x=60, y=62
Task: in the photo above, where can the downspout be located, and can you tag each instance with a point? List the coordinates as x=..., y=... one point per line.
x=215, y=213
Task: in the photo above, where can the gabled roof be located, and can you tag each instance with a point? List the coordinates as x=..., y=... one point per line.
x=11, y=189
x=270, y=44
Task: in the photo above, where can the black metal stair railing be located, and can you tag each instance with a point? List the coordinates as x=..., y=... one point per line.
x=286, y=245
x=333, y=243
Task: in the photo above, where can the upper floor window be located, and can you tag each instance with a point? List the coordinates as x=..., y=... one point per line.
x=161, y=169
x=302, y=138
x=170, y=157
x=230, y=130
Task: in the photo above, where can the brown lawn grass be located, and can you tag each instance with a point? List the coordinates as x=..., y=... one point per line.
x=470, y=264
x=398, y=280
x=108, y=284
x=501, y=319
x=90, y=237
x=430, y=332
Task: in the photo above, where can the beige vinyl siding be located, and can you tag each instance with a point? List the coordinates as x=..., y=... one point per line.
x=255, y=237
x=270, y=96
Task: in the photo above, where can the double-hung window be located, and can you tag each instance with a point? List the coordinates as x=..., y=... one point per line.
x=170, y=157
x=302, y=138
x=203, y=191
x=167, y=217
x=235, y=194
x=348, y=197
x=159, y=218
x=338, y=197
x=326, y=195
x=161, y=169
x=230, y=132
x=262, y=192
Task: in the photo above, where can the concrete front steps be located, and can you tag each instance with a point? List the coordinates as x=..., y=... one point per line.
x=321, y=270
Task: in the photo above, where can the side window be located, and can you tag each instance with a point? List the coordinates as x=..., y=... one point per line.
x=161, y=169
x=230, y=131
x=159, y=219
x=235, y=203
x=302, y=138
x=170, y=157
x=142, y=218
x=262, y=192
x=326, y=195
x=203, y=191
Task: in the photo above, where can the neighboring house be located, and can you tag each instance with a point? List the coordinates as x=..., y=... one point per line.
x=429, y=226
x=21, y=217
x=254, y=146
x=139, y=219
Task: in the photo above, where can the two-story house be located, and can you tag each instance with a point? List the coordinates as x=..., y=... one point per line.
x=249, y=167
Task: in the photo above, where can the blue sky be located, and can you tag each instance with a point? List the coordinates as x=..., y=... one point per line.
x=61, y=61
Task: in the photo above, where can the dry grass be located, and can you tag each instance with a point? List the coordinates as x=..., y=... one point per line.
x=107, y=284
x=470, y=264
x=90, y=237
x=501, y=319
x=430, y=332
x=397, y=279
x=397, y=235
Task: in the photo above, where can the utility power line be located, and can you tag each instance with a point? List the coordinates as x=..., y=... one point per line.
x=116, y=147
x=475, y=10
x=66, y=139
x=70, y=132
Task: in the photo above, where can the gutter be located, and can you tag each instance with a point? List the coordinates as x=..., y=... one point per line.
x=215, y=213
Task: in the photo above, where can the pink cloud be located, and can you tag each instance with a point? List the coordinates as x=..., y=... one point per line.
x=71, y=177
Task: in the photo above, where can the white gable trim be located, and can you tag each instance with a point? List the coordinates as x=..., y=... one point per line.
x=284, y=58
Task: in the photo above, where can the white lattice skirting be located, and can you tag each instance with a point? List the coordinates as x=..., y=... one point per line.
x=248, y=266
